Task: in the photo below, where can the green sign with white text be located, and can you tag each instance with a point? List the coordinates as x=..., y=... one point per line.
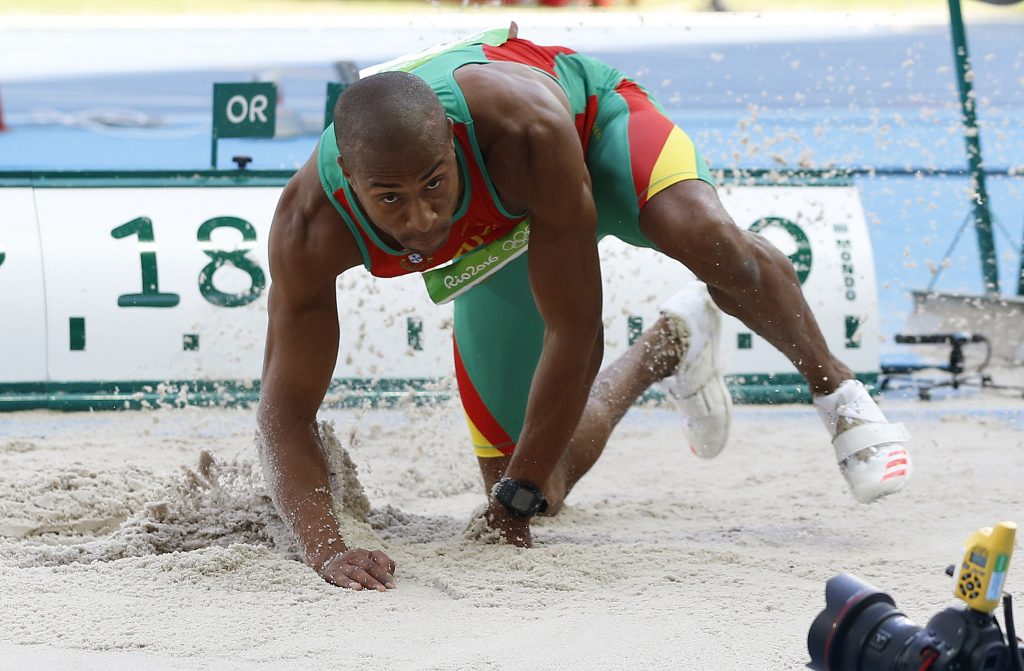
x=244, y=110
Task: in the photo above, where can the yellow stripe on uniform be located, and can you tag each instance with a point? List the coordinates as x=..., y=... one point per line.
x=481, y=445
x=487, y=452
x=676, y=162
x=474, y=433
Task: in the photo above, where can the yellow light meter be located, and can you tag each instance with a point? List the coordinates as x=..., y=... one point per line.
x=979, y=578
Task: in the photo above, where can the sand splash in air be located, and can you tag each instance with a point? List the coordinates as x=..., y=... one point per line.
x=113, y=556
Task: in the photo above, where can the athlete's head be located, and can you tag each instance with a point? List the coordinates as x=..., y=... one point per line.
x=396, y=151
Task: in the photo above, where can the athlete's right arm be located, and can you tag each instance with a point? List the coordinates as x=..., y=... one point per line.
x=309, y=247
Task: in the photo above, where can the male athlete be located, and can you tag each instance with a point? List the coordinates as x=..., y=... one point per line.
x=455, y=169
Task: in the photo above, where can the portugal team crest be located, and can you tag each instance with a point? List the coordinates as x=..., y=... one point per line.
x=416, y=261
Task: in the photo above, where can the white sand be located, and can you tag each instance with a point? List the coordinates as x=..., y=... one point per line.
x=114, y=557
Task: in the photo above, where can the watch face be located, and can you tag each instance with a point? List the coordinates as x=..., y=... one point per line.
x=519, y=498
x=522, y=500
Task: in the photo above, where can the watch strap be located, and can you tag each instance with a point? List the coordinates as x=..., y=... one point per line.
x=521, y=498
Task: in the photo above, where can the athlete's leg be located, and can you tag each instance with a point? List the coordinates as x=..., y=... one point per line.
x=652, y=357
x=498, y=335
x=746, y=275
x=749, y=278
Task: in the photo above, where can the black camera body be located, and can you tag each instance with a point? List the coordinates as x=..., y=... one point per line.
x=861, y=629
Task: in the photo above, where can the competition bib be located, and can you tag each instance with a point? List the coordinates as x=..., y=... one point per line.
x=448, y=282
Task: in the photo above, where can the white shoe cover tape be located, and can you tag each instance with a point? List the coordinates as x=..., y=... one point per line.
x=863, y=436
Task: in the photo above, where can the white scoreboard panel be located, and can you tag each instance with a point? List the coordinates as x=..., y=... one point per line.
x=22, y=293
x=109, y=288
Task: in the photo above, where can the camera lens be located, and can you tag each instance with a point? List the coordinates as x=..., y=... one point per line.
x=859, y=630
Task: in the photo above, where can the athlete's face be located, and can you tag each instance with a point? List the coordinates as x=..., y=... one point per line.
x=411, y=194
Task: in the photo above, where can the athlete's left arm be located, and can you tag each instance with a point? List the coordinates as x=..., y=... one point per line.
x=536, y=161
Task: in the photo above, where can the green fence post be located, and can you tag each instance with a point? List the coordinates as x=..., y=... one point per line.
x=982, y=216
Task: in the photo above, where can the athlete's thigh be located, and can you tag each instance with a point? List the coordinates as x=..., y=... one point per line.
x=498, y=339
x=688, y=222
x=636, y=152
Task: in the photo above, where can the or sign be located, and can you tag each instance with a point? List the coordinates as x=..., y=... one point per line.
x=244, y=110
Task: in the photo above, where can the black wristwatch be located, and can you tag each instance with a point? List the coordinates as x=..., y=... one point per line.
x=520, y=498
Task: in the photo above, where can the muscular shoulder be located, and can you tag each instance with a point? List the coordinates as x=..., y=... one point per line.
x=309, y=243
x=512, y=98
x=525, y=128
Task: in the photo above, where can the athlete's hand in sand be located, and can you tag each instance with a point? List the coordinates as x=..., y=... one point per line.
x=514, y=530
x=358, y=568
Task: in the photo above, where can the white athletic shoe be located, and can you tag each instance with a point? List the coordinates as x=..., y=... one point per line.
x=697, y=387
x=870, y=450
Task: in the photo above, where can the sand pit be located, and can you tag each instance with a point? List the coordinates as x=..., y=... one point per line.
x=146, y=540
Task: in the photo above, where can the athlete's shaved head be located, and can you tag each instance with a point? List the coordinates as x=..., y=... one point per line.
x=386, y=114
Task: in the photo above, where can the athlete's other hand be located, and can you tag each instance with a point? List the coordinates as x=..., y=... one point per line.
x=357, y=569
